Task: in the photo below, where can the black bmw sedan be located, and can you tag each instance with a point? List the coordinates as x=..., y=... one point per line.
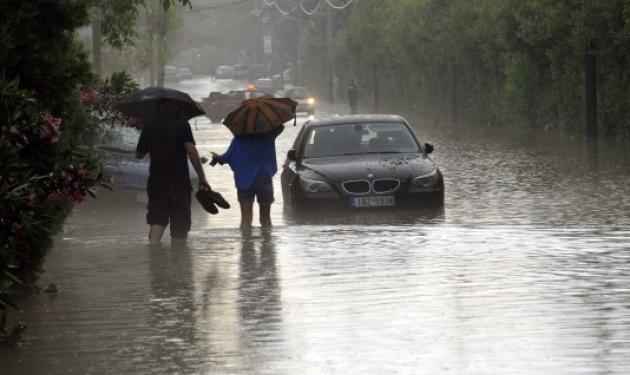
x=360, y=161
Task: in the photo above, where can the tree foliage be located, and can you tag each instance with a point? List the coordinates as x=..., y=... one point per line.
x=500, y=61
x=51, y=108
x=119, y=18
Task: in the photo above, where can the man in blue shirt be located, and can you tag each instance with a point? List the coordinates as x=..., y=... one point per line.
x=253, y=160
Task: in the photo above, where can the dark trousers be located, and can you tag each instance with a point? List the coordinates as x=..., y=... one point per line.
x=170, y=203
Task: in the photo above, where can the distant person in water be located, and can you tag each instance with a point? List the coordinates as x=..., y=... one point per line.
x=353, y=94
x=253, y=160
x=170, y=143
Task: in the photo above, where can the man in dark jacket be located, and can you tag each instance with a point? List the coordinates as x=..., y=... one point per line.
x=170, y=143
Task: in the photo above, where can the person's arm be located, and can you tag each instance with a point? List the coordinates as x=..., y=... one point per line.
x=222, y=159
x=143, y=144
x=193, y=155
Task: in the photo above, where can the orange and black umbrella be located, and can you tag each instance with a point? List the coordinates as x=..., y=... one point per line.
x=260, y=115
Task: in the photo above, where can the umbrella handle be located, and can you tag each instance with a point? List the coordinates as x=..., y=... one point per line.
x=295, y=119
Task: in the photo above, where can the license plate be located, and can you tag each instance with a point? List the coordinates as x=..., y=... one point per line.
x=372, y=201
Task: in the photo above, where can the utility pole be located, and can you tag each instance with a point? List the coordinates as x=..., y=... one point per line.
x=331, y=58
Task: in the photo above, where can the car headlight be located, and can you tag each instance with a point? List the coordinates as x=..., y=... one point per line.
x=314, y=186
x=310, y=101
x=427, y=180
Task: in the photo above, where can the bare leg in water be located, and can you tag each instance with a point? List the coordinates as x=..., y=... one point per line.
x=247, y=213
x=155, y=234
x=265, y=216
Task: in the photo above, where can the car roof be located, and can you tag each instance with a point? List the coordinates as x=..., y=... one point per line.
x=354, y=119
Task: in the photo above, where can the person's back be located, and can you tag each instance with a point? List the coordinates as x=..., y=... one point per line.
x=253, y=160
x=165, y=142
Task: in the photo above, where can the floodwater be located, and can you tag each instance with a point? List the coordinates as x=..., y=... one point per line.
x=526, y=270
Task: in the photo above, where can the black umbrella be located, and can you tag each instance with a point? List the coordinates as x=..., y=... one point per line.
x=144, y=104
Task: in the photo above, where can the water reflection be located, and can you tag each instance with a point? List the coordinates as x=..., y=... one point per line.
x=259, y=300
x=172, y=320
x=424, y=215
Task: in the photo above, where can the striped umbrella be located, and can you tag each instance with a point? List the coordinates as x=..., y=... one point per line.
x=260, y=115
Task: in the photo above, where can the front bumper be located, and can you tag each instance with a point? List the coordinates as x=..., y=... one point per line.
x=402, y=200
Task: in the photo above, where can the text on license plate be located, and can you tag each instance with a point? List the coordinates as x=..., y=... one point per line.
x=372, y=201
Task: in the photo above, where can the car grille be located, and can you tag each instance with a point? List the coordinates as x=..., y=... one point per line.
x=356, y=187
x=385, y=185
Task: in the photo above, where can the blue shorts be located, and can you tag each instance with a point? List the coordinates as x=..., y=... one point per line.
x=262, y=189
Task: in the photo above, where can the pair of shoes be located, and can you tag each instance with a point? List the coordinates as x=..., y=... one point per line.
x=206, y=202
x=218, y=199
x=208, y=198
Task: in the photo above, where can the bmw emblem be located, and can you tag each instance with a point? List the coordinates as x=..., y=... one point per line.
x=370, y=175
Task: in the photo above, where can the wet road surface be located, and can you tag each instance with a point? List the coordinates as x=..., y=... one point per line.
x=526, y=270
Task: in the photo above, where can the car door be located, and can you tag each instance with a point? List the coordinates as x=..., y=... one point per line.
x=289, y=169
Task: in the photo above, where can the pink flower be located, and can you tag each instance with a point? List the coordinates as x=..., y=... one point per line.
x=78, y=196
x=56, y=197
x=133, y=122
x=54, y=122
x=89, y=96
x=13, y=130
x=65, y=176
x=44, y=132
x=50, y=128
x=81, y=170
x=17, y=229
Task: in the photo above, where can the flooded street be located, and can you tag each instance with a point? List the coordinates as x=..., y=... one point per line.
x=526, y=270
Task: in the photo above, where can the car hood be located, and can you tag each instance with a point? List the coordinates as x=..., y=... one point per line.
x=360, y=167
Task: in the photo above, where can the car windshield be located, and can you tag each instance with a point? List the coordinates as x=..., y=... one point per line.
x=120, y=137
x=355, y=139
x=297, y=93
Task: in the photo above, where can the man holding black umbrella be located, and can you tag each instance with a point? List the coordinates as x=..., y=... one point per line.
x=169, y=141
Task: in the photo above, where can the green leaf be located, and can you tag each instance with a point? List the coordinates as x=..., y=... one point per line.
x=4, y=302
x=13, y=277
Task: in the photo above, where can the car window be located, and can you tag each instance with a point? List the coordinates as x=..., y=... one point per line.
x=120, y=137
x=352, y=139
x=298, y=93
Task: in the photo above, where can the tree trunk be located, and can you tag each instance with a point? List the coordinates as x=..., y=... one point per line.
x=96, y=41
x=453, y=107
x=161, y=47
x=590, y=85
x=160, y=65
x=330, y=60
x=376, y=91
x=152, y=78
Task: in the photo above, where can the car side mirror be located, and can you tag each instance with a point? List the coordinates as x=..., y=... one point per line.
x=292, y=155
x=428, y=148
